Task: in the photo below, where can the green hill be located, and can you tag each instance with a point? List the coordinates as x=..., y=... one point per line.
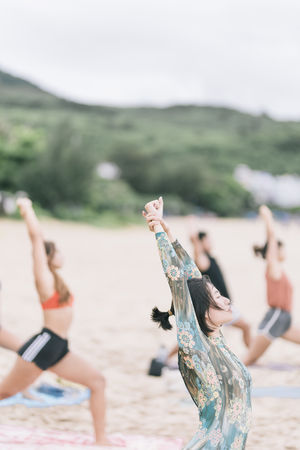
x=17, y=92
x=187, y=152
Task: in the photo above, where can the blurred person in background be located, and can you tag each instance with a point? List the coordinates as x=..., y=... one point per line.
x=49, y=349
x=216, y=379
x=208, y=265
x=278, y=320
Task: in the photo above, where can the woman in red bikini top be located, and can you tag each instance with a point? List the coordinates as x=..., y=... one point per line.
x=57, y=306
x=277, y=321
x=49, y=349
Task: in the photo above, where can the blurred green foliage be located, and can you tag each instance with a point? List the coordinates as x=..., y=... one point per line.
x=51, y=148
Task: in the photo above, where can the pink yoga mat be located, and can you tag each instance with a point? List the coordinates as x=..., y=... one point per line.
x=30, y=438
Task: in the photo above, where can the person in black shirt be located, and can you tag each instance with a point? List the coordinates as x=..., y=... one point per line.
x=209, y=266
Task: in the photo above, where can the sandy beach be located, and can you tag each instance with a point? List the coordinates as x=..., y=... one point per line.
x=116, y=279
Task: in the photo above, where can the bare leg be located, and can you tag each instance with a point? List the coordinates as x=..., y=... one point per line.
x=22, y=375
x=258, y=346
x=76, y=369
x=246, y=330
x=292, y=335
x=9, y=340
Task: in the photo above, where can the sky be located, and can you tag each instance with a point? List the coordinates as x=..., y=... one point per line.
x=243, y=54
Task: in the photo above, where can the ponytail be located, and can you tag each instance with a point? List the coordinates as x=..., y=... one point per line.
x=162, y=318
x=60, y=285
x=262, y=251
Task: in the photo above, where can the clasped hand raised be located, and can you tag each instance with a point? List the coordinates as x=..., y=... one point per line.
x=153, y=213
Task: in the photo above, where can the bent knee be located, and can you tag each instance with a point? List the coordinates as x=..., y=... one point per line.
x=97, y=382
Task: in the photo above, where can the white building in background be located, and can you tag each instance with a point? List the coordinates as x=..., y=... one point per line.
x=279, y=190
x=108, y=171
x=8, y=201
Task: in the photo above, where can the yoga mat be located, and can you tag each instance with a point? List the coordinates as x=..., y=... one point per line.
x=48, y=395
x=277, y=391
x=33, y=438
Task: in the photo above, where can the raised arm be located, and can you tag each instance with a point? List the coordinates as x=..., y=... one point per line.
x=178, y=267
x=172, y=266
x=190, y=268
x=43, y=277
x=153, y=215
x=273, y=264
x=187, y=263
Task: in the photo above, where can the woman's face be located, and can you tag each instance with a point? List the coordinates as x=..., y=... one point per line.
x=218, y=317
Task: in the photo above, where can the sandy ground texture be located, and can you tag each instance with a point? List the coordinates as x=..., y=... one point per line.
x=116, y=278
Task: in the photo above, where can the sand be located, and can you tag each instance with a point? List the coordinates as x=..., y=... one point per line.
x=116, y=278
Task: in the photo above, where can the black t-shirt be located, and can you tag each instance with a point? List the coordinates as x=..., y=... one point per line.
x=215, y=274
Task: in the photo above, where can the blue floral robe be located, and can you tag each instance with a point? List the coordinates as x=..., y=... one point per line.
x=216, y=379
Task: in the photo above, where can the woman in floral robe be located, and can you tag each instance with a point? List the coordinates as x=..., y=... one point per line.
x=216, y=379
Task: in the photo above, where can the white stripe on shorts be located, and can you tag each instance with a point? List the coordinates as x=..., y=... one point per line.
x=271, y=322
x=36, y=346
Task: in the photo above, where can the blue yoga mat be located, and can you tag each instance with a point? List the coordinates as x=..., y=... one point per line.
x=277, y=391
x=47, y=395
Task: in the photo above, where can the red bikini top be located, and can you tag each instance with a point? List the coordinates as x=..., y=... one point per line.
x=53, y=302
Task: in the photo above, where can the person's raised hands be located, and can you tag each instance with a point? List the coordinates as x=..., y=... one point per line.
x=265, y=212
x=154, y=214
x=155, y=207
x=153, y=220
x=24, y=203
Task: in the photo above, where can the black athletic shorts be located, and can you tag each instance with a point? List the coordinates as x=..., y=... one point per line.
x=45, y=349
x=275, y=323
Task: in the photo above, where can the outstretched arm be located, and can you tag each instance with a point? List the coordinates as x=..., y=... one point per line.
x=171, y=264
x=189, y=266
x=42, y=274
x=154, y=217
x=273, y=264
x=154, y=221
x=178, y=267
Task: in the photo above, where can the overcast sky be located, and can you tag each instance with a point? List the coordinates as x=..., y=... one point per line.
x=239, y=53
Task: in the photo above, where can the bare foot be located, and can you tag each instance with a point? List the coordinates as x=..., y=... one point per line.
x=105, y=442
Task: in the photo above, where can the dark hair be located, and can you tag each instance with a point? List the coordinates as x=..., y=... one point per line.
x=162, y=318
x=262, y=251
x=202, y=300
x=60, y=285
x=202, y=235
